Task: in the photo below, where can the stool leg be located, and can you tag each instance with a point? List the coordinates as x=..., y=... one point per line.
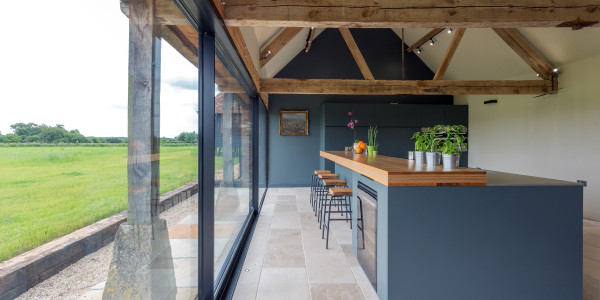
x=328, y=222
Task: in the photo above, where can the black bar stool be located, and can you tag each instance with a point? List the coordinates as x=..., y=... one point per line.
x=314, y=181
x=323, y=196
x=319, y=188
x=340, y=200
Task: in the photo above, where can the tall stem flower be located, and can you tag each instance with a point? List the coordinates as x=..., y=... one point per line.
x=351, y=125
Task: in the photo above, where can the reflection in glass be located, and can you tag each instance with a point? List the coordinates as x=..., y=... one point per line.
x=233, y=162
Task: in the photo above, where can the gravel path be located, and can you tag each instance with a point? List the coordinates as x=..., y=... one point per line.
x=80, y=277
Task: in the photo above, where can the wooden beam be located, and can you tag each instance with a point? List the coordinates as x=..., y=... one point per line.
x=533, y=58
x=424, y=39
x=184, y=39
x=238, y=41
x=165, y=12
x=277, y=44
x=407, y=14
x=441, y=71
x=405, y=87
x=358, y=57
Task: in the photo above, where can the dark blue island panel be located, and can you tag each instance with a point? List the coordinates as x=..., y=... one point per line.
x=517, y=238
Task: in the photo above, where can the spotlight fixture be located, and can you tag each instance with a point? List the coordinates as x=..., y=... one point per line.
x=538, y=74
x=449, y=30
x=431, y=42
x=555, y=70
x=419, y=50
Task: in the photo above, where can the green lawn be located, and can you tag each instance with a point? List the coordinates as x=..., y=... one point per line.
x=47, y=192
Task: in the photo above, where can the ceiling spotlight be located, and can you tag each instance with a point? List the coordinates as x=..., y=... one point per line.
x=431, y=42
x=419, y=50
x=449, y=30
x=555, y=70
x=538, y=74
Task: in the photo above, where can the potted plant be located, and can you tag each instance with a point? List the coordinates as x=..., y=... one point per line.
x=432, y=155
x=421, y=145
x=372, y=142
x=356, y=146
x=453, y=145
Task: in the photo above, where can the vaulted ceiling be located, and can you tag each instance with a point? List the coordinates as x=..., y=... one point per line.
x=503, y=39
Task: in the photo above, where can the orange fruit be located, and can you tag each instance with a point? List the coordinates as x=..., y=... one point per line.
x=362, y=145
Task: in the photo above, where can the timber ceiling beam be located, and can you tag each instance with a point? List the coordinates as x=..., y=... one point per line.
x=411, y=14
x=441, y=71
x=240, y=44
x=277, y=44
x=533, y=58
x=406, y=87
x=358, y=57
x=424, y=39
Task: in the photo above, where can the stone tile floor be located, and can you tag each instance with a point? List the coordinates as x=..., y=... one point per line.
x=287, y=258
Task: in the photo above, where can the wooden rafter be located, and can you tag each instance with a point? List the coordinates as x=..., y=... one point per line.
x=412, y=87
x=407, y=14
x=424, y=39
x=441, y=71
x=277, y=44
x=242, y=49
x=358, y=57
x=533, y=58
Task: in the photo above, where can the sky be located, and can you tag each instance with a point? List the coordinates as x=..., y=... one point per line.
x=65, y=62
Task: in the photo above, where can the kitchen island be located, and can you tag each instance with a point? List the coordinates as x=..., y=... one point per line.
x=431, y=233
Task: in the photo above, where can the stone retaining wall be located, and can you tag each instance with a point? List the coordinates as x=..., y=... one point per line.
x=23, y=272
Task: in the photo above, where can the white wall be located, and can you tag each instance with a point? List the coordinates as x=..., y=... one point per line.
x=554, y=136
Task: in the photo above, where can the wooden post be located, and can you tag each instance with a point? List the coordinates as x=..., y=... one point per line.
x=142, y=264
x=143, y=113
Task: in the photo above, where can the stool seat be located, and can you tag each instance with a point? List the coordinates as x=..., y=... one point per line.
x=340, y=191
x=328, y=176
x=317, y=172
x=330, y=182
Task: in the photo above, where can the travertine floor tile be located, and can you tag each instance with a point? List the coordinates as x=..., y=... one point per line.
x=284, y=283
x=285, y=237
x=284, y=256
x=346, y=291
x=323, y=268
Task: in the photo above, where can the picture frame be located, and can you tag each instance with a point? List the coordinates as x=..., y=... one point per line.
x=293, y=122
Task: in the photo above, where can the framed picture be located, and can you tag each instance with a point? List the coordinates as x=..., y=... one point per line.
x=293, y=122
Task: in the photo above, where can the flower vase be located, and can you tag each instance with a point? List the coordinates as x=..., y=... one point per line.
x=357, y=148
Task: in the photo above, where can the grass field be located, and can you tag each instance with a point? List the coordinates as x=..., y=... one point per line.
x=47, y=192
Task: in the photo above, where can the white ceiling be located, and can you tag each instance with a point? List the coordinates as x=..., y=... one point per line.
x=481, y=55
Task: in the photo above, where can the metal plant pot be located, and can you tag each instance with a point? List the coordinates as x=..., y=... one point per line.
x=451, y=161
x=432, y=158
x=419, y=157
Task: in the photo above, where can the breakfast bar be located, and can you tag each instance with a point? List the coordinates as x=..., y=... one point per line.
x=430, y=233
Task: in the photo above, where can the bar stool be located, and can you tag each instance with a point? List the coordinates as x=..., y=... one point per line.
x=319, y=187
x=325, y=186
x=314, y=181
x=339, y=195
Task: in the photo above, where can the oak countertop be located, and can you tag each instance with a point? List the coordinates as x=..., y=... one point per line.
x=393, y=171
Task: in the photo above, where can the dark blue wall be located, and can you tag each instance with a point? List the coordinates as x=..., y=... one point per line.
x=293, y=158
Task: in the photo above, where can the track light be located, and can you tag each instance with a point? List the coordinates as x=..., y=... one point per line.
x=419, y=50
x=431, y=42
x=555, y=70
x=449, y=30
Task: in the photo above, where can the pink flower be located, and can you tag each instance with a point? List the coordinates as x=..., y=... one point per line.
x=355, y=121
x=350, y=113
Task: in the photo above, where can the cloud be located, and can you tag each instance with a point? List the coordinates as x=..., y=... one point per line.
x=184, y=83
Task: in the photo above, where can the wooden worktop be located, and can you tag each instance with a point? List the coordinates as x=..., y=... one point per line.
x=393, y=171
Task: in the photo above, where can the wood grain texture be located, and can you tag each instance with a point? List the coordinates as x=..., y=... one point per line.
x=393, y=171
x=533, y=58
x=358, y=57
x=267, y=53
x=424, y=39
x=405, y=14
x=408, y=87
x=441, y=71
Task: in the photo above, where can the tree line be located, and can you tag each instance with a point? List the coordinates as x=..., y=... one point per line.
x=44, y=134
